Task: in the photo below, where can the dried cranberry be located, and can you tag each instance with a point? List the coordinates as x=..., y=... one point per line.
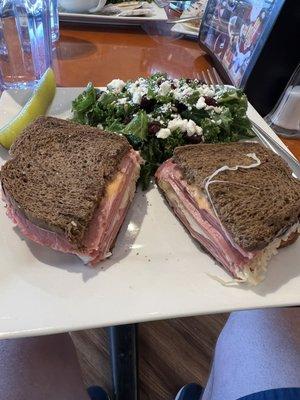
x=194, y=139
x=180, y=106
x=210, y=101
x=153, y=127
x=147, y=104
x=127, y=119
x=173, y=86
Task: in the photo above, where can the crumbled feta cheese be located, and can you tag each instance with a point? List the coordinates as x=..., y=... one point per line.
x=207, y=90
x=193, y=129
x=164, y=88
x=100, y=126
x=163, y=133
x=141, y=81
x=123, y=100
x=165, y=108
x=137, y=95
x=201, y=103
x=177, y=123
x=116, y=85
x=199, y=130
x=185, y=125
x=182, y=92
x=218, y=110
x=137, y=90
x=131, y=87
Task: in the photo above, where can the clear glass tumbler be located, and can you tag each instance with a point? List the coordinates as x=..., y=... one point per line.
x=285, y=117
x=25, y=42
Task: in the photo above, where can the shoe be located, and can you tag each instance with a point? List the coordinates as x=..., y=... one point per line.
x=192, y=391
x=97, y=393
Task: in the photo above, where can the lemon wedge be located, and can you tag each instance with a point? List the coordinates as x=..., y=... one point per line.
x=37, y=105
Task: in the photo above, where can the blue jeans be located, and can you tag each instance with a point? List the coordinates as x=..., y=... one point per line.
x=257, y=352
x=275, y=394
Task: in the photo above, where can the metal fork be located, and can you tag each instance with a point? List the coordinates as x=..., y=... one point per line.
x=211, y=77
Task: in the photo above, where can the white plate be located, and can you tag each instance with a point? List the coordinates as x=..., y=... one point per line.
x=186, y=30
x=157, y=271
x=159, y=14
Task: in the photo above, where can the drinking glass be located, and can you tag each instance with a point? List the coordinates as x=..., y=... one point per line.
x=181, y=5
x=25, y=42
x=285, y=117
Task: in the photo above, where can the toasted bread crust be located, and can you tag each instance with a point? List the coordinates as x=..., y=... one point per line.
x=290, y=240
x=254, y=205
x=59, y=171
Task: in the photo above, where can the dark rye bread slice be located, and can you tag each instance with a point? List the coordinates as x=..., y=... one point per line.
x=254, y=205
x=58, y=174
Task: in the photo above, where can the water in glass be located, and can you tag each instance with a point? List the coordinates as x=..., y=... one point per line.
x=25, y=42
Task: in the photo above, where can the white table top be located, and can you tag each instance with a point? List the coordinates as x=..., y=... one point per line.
x=157, y=271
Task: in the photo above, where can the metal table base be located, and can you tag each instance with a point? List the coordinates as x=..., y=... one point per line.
x=124, y=361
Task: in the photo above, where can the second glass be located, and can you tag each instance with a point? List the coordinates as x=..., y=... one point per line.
x=285, y=117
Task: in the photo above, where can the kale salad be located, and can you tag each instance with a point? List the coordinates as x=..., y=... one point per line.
x=158, y=113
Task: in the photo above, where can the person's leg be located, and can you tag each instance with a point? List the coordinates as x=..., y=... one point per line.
x=42, y=368
x=257, y=350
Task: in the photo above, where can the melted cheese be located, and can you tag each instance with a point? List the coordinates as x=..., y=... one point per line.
x=200, y=198
x=114, y=186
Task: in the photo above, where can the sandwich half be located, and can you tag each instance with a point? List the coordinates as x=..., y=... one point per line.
x=68, y=186
x=239, y=201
